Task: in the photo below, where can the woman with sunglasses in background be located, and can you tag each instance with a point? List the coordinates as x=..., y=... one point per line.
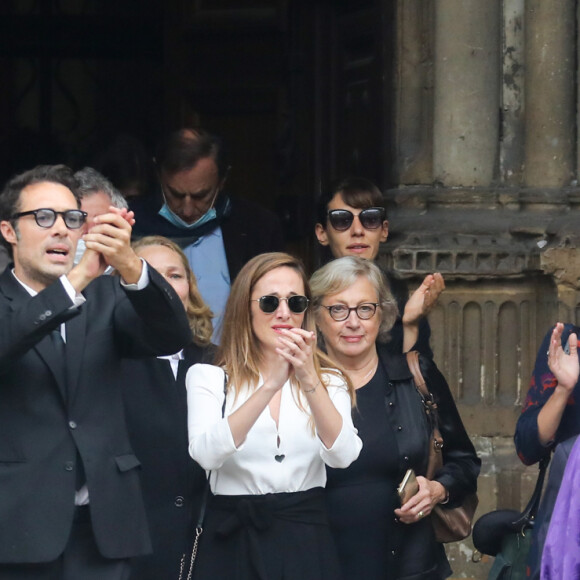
x=351, y=221
x=377, y=538
x=286, y=415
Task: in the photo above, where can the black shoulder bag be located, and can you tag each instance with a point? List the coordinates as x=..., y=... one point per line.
x=506, y=534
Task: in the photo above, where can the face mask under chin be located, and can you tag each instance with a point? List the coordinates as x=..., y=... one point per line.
x=175, y=220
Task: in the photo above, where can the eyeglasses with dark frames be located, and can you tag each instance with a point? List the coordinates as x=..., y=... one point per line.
x=269, y=304
x=46, y=217
x=371, y=218
x=341, y=312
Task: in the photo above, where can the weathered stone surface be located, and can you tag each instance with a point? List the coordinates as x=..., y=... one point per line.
x=466, y=104
x=501, y=217
x=549, y=93
x=563, y=264
x=413, y=121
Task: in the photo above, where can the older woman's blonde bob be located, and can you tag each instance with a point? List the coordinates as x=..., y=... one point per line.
x=198, y=312
x=338, y=275
x=239, y=350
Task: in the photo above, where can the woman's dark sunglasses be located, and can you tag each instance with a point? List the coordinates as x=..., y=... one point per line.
x=370, y=218
x=46, y=217
x=268, y=304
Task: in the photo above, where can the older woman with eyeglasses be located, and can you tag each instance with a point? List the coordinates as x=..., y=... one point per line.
x=265, y=422
x=377, y=538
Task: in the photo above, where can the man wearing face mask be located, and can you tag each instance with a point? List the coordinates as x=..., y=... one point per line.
x=219, y=233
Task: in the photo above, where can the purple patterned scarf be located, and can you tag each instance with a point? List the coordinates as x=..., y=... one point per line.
x=561, y=555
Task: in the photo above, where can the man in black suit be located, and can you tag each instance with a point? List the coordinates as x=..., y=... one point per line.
x=70, y=500
x=219, y=233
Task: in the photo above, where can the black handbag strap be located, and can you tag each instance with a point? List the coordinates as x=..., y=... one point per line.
x=431, y=411
x=529, y=514
x=202, y=509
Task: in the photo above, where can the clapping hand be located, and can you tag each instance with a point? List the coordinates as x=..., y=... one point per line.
x=565, y=367
x=424, y=298
x=297, y=348
x=111, y=238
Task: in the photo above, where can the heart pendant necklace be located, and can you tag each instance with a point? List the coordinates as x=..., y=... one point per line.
x=279, y=457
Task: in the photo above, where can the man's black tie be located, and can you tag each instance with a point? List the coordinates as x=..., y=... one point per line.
x=60, y=347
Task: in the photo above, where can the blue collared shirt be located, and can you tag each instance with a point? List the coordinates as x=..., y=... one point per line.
x=207, y=258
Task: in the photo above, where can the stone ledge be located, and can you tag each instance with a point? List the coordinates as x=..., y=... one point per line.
x=474, y=232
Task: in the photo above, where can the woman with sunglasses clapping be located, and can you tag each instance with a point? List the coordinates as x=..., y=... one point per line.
x=265, y=423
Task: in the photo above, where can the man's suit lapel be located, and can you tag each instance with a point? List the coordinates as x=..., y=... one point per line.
x=47, y=351
x=75, y=338
x=17, y=297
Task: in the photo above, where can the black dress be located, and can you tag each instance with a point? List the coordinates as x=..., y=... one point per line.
x=361, y=499
x=173, y=484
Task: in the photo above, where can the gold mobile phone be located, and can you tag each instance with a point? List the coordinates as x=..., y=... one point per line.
x=408, y=487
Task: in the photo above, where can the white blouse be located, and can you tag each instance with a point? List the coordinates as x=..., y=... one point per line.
x=258, y=466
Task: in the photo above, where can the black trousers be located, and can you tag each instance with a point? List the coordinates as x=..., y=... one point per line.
x=81, y=559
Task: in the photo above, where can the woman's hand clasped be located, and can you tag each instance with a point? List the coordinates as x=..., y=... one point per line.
x=422, y=503
x=297, y=347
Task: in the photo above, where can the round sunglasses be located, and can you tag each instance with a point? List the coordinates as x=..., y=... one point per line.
x=268, y=304
x=371, y=218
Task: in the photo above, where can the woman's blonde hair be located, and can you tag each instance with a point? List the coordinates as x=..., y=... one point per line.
x=198, y=312
x=239, y=351
x=341, y=273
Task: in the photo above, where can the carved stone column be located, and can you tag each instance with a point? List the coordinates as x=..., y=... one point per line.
x=549, y=86
x=466, y=111
x=511, y=157
x=413, y=120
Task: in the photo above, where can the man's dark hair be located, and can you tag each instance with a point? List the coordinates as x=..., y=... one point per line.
x=357, y=192
x=183, y=148
x=10, y=197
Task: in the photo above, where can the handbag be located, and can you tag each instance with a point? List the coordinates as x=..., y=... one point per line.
x=450, y=524
x=506, y=534
x=200, y=519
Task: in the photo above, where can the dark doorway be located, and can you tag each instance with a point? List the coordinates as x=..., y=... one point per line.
x=299, y=89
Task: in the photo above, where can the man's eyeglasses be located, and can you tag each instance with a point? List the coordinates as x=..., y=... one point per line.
x=370, y=218
x=268, y=304
x=340, y=312
x=45, y=217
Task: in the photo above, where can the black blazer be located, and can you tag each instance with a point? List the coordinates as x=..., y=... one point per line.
x=461, y=464
x=173, y=483
x=43, y=422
